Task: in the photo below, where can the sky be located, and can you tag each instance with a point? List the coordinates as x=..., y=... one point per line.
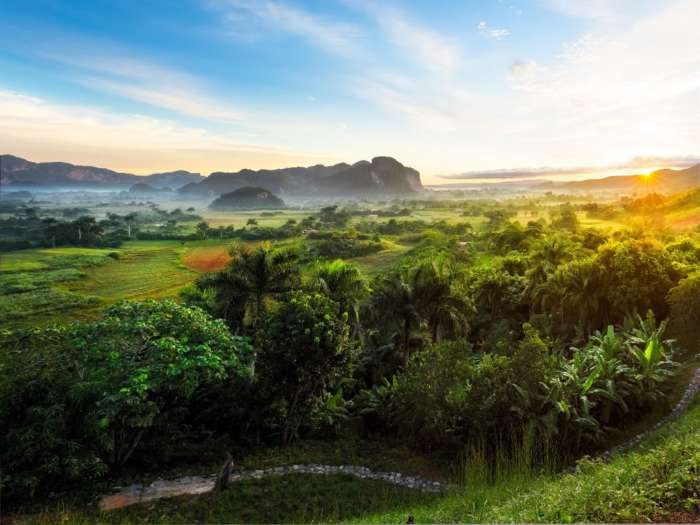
x=458, y=89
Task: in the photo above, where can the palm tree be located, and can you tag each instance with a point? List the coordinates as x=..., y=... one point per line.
x=253, y=277
x=344, y=284
x=438, y=303
x=553, y=251
x=423, y=295
x=395, y=298
x=550, y=254
x=583, y=297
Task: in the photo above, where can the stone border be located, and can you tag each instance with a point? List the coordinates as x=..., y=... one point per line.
x=195, y=485
x=678, y=411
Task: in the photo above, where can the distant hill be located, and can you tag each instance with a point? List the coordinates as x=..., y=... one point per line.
x=661, y=181
x=295, y=180
x=172, y=179
x=381, y=176
x=15, y=171
x=384, y=175
x=248, y=197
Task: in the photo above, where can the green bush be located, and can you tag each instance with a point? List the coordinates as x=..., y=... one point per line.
x=84, y=399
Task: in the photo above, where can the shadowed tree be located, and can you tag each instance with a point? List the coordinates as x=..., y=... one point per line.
x=395, y=299
x=438, y=304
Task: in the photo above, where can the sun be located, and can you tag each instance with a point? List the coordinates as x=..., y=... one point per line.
x=648, y=173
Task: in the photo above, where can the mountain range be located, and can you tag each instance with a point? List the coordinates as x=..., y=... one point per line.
x=18, y=172
x=660, y=181
x=380, y=176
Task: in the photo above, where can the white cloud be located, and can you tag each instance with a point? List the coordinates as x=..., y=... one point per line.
x=436, y=52
x=28, y=117
x=547, y=172
x=108, y=69
x=490, y=32
x=592, y=8
x=406, y=103
x=630, y=90
x=335, y=37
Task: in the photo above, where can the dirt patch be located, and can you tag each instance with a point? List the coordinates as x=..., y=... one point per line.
x=209, y=259
x=679, y=516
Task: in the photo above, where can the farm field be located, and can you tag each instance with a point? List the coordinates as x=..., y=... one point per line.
x=238, y=219
x=47, y=285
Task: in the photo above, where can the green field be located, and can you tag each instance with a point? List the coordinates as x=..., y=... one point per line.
x=71, y=283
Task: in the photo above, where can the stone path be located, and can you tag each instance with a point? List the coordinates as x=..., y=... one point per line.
x=194, y=485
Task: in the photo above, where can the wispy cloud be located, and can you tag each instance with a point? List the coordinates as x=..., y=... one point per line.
x=407, y=102
x=106, y=68
x=333, y=36
x=491, y=32
x=436, y=52
x=592, y=8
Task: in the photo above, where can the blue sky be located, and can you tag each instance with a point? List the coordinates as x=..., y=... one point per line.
x=445, y=86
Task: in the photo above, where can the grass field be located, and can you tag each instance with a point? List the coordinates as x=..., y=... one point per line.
x=45, y=285
x=34, y=284
x=378, y=262
x=239, y=218
x=144, y=270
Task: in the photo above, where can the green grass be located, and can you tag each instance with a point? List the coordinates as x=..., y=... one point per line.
x=379, y=262
x=34, y=283
x=239, y=218
x=659, y=478
x=144, y=270
x=290, y=499
x=62, y=284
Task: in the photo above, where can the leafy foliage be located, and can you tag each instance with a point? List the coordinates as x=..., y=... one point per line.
x=80, y=400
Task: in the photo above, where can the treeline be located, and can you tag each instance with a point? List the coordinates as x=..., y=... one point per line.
x=29, y=228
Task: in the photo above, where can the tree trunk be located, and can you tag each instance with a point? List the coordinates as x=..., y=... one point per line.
x=406, y=340
x=435, y=332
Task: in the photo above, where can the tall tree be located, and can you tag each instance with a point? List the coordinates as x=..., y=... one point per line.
x=343, y=283
x=437, y=302
x=254, y=276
